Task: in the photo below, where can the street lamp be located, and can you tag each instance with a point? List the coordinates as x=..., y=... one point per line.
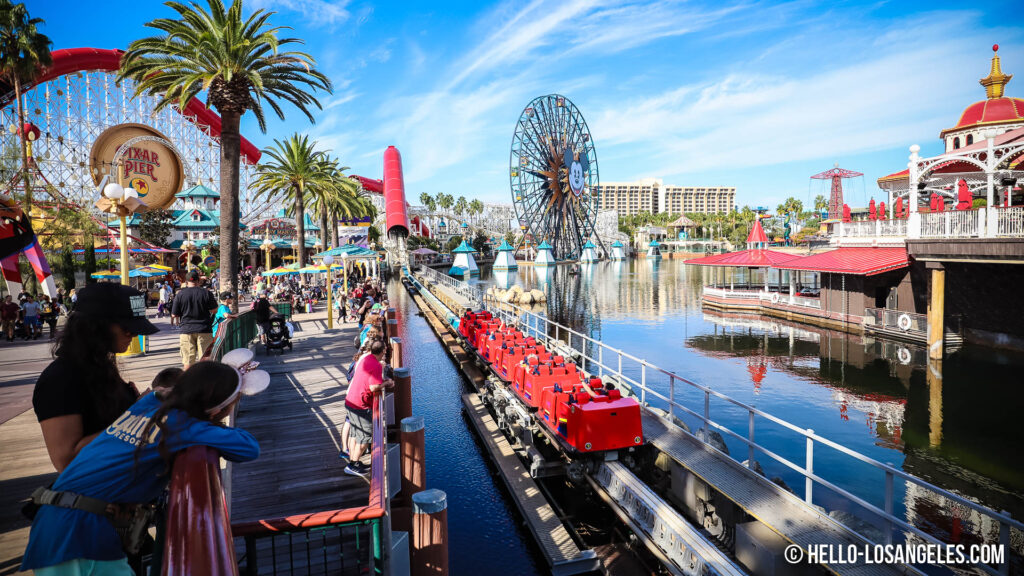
x=328, y=260
x=344, y=267
x=267, y=247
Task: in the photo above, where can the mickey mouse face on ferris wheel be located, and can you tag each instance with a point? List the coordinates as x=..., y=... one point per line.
x=577, y=167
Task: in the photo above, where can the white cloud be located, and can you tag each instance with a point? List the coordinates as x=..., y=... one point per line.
x=317, y=12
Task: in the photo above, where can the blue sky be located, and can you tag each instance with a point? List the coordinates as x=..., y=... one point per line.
x=757, y=95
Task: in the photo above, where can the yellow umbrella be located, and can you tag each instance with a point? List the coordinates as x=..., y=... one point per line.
x=314, y=269
x=160, y=267
x=107, y=274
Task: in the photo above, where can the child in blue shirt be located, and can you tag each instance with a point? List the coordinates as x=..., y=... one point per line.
x=129, y=463
x=224, y=311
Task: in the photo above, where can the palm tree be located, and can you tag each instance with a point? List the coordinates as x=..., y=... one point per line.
x=820, y=203
x=445, y=201
x=427, y=200
x=460, y=206
x=239, y=63
x=476, y=208
x=23, y=52
x=295, y=171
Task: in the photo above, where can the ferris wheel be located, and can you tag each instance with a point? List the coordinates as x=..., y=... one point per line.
x=553, y=172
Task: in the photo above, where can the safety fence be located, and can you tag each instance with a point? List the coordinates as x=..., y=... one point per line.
x=684, y=399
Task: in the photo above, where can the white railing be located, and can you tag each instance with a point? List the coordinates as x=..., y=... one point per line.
x=952, y=224
x=458, y=286
x=805, y=302
x=976, y=223
x=892, y=228
x=640, y=375
x=1010, y=221
x=736, y=294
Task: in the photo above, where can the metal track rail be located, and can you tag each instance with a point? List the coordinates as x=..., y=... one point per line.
x=682, y=547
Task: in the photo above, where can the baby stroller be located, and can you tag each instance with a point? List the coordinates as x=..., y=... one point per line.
x=278, y=334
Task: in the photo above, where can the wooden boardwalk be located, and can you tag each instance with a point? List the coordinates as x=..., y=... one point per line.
x=297, y=422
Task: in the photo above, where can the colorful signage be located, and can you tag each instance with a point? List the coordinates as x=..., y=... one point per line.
x=362, y=221
x=149, y=166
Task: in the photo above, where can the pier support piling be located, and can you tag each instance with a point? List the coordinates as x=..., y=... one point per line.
x=936, y=311
x=414, y=471
x=430, y=533
x=403, y=393
x=396, y=352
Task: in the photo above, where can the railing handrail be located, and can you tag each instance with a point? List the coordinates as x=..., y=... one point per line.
x=510, y=313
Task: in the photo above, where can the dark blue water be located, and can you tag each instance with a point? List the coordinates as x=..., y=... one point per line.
x=959, y=431
x=485, y=535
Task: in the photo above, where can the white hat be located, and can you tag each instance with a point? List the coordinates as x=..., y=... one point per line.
x=250, y=380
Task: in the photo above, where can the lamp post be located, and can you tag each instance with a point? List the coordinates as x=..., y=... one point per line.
x=344, y=268
x=116, y=194
x=328, y=260
x=267, y=247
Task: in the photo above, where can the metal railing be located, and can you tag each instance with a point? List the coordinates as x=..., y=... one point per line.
x=909, y=321
x=458, y=286
x=641, y=377
x=1010, y=221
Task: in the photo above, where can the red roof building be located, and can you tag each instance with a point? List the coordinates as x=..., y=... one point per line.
x=855, y=261
x=754, y=258
x=757, y=238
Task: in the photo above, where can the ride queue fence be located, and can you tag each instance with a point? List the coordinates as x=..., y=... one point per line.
x=655, y=386
x=200, y=539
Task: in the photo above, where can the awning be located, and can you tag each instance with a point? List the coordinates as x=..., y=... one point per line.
x=753, y=258
x=856, y=261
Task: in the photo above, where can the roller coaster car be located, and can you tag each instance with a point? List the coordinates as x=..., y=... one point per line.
x=511, y=356
x=576, y=408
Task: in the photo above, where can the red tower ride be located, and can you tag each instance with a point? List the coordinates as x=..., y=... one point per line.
x=836, y=175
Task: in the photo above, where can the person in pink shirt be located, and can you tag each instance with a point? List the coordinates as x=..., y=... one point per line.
x=367, y=380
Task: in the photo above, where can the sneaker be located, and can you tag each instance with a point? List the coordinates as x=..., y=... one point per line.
x=357, y=469
x=343, y=455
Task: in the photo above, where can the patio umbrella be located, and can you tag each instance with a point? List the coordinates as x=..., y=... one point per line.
x=965, y=200
x=881, y=211
x=107, y=274
x=871, y=210
x=899, y=208
x=314, y=269
x=280, y=271
x=145, y=272
x=160, y=267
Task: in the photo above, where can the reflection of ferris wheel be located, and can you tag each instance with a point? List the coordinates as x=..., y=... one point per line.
x=554, y=175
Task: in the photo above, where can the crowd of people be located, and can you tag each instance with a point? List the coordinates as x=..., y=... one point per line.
x=113, y=444
x=24, y=318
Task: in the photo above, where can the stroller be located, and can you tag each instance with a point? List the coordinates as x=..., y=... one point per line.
x=278, y=334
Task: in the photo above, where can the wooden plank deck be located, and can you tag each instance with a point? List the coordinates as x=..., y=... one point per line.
x=297, y=421
x=298, y=424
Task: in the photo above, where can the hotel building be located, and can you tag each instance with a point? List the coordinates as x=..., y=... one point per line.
x=652, y=195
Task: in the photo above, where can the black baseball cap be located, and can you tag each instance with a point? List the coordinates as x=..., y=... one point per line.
x=122, y=304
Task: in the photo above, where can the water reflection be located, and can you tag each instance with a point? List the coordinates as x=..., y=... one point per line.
x=954, y=425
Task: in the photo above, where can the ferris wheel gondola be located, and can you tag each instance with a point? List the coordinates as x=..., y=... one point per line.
x=554, y=176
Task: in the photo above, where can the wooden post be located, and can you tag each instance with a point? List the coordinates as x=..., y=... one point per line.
x=403, y=393
x=936, y=311
x=429, y=553
x=414, y=471
x=396, y=352
x=934, y=379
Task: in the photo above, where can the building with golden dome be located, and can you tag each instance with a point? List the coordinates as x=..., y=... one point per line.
x=995, y=111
